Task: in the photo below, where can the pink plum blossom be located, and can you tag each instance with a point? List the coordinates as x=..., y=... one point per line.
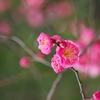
x=45, y=43
x=69, y=53
x=25, y=62
x=56, y=63
x=96, y=95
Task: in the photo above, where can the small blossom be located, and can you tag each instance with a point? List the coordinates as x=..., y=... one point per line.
x=69, y=53
x=25, y=62
x=45, y=43
x=40, y=55
x=96, y=95
x=56, y=63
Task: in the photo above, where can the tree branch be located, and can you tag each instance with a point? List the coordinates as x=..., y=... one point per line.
x=54, y=86
x=79, y=83
x=27, y=49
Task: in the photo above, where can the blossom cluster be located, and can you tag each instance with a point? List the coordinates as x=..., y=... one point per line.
x=67, y=53
x=89, y=62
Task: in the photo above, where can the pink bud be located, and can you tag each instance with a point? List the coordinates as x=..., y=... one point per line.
x=25, y=62
x=40, y=55
x=96, y=95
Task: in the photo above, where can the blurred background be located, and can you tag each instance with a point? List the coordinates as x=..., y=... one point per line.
x=23, y=78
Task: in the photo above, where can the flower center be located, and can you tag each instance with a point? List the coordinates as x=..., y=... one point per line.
x=67, y=53
x=56, y=65
x=44, y=40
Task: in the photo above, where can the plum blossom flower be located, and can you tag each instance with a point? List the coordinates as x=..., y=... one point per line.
x=25, y=62
x=96, y=95
x=45, y=43
x=56, y=63
x=69, y=54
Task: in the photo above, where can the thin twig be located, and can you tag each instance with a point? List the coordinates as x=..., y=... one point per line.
x=57, y=80
x=27, y=49
x=79, y=83
x=13, y=79
x=54, y=85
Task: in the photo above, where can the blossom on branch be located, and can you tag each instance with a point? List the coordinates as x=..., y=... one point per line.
x=25, y=62
x=45, y=43
x=67, y=53
x=56, y=63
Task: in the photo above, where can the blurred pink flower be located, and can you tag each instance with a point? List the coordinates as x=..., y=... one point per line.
x=45, y=43
x=56, y=63
x=93, y=70
x=89, y=62
x=87, y=34
x=96, y=95
x=40, y=55
x=5, y=5
x=25, y=62
x=81, y=65
x=69, y=53
x=61, y=9
x=34, y=3
x=64, y=9
x=35, y=18
x=5, y=27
